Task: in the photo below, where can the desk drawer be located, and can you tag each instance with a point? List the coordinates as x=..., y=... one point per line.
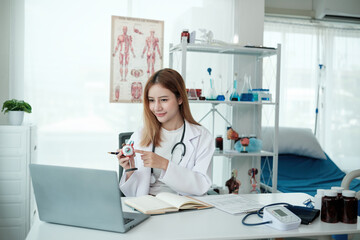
x=13, y=143
x=11, y=164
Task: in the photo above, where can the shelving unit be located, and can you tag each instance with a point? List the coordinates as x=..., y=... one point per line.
x=259, y=53
x=18, y=146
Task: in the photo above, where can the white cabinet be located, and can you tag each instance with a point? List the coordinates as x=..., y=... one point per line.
x=251, y=112
x=17, y=206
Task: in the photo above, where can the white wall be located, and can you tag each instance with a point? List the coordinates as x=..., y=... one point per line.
x=12, y=28
x=4, y=53
x=17, y=49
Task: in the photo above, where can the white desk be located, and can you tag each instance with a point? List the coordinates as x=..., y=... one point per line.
x=199, y=224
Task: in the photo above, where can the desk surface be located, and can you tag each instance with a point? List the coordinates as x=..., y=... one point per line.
x=199, y=224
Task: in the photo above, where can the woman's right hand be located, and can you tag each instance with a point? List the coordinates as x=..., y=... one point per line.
x=125, y=162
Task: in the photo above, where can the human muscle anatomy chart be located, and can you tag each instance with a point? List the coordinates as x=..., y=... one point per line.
x=136, y=53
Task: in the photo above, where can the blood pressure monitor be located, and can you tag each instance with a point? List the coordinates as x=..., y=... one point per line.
x=281, y=218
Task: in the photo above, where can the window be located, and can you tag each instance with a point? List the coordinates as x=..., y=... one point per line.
x=305, y=45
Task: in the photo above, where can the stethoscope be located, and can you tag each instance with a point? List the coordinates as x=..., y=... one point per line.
x=181, y=143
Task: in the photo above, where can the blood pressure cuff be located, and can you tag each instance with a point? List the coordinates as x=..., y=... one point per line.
x=306, y=214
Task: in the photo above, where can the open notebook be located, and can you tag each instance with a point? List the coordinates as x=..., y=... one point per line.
x=164, y=202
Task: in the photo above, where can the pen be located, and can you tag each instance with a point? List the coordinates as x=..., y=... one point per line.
x=116, y=153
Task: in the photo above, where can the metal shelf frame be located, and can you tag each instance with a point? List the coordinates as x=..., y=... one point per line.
x=233, y=49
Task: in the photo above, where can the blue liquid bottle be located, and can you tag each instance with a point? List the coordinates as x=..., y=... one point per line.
x=221, y=96
x=246, y=94
x=234, y=96
x=212, y=93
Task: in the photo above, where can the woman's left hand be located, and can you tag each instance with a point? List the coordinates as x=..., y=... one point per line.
x=153, y=160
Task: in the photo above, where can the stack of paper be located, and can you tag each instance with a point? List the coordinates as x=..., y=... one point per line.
x=231, y=203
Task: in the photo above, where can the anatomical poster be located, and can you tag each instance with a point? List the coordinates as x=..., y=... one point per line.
x=137, y=47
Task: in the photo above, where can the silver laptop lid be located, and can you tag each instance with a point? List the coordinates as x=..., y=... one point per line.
x=81, y=197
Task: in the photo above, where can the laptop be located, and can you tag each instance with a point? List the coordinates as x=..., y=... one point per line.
x=81, y=197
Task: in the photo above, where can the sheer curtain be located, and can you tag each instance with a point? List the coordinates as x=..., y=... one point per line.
x=298, y=71
x=67, y=71
x=341, y=116
x=306, y=45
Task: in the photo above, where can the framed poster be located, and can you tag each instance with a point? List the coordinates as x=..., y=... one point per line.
x=137, y=47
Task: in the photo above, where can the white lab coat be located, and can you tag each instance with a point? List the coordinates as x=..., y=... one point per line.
x=191, y=177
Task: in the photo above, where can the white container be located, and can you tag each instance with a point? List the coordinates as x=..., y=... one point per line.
x=318, y=198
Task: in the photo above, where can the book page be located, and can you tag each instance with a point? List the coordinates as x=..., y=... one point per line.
x=180, y=202
x=150, y=205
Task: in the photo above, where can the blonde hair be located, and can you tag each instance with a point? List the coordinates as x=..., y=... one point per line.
x=172, y=80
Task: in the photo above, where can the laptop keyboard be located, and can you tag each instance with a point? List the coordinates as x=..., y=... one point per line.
x=127, y=220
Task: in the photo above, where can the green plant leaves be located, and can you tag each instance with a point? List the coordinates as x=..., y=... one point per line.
x=16, y=105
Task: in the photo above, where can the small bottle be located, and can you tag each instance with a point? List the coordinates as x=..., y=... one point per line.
x=255, y=92
x=329, y=207
x=339, y=190
x=211, y=93
x=318, y=198
x=185, y=33
x=219, y=142
x=221, y=96
x=234, y=96
x=350, y=207
x=202, y=97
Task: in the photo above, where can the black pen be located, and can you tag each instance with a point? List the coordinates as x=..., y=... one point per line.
x=115, y=153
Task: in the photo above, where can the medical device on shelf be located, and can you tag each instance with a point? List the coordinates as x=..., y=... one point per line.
x=280, y=218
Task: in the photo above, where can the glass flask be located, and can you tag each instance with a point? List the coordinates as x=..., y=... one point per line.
x=234, y=96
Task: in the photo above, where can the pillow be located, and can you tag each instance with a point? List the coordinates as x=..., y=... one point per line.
x=297, y=141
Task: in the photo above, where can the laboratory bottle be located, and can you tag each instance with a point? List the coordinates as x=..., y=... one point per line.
x=234, y=96
x=350, y=207
x=219, y=142
x=185, y=33
x=211, y=93
x=247, y=84
x=339, y=190
x=246, y=93
x=221, y=96
x=202, y=97
x=318, y=198
x=329, y=207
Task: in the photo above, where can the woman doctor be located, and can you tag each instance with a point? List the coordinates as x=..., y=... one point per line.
x=173, y=151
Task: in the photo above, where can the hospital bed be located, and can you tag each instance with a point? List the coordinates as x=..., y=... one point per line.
x=302, y=164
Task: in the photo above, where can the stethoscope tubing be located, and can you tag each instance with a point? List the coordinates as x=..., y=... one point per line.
x=176, y=144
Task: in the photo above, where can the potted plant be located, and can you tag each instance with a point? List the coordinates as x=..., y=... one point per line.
x=16, y=109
